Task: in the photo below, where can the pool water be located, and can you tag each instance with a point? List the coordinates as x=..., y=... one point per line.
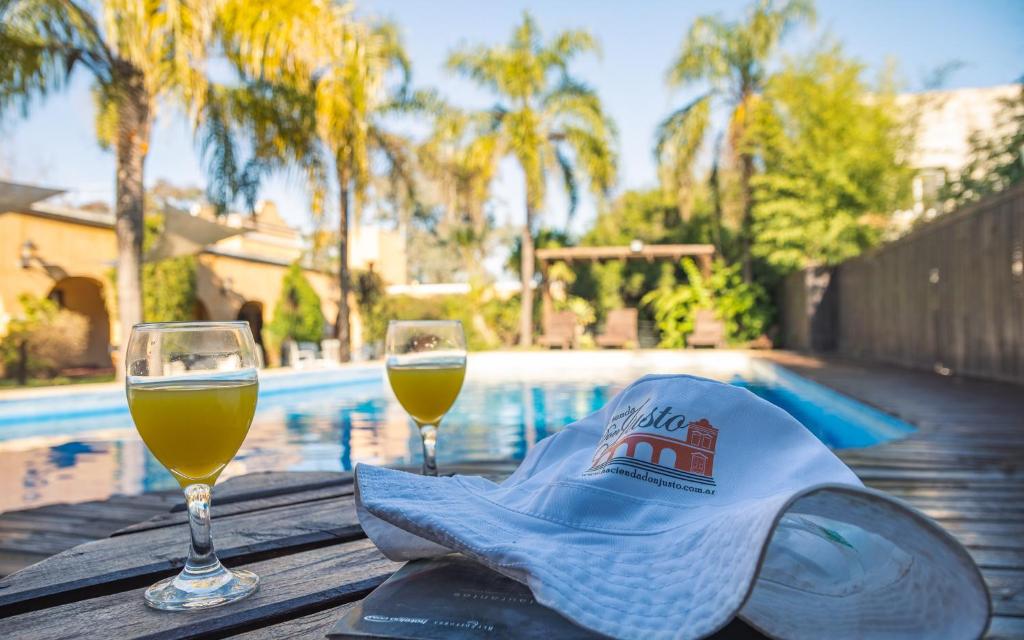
x=86, y=448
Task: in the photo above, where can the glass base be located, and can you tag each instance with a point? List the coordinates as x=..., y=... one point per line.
x=193, y=590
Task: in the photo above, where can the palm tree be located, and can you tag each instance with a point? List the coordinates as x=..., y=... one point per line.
x=460, y=161
x=729, y=57
x=317, y=99
x=139, y=55
x=547, y=120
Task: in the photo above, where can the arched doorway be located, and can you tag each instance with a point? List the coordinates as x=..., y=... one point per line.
x=252, y=312
x=85, y=296
x=199, y=311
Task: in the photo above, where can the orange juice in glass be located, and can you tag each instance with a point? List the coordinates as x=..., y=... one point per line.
x=426, y=365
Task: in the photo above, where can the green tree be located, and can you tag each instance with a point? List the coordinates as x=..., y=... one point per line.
x=168, y=286
x=996, y=161
x=742, y=306
x=550, y=122
x=730, y=58
x=139, y=55
x=652, y=217
x=833, y=149
x=317, y=98
x=297, y=315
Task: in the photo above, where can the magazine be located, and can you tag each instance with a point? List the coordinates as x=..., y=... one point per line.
x=453, y=597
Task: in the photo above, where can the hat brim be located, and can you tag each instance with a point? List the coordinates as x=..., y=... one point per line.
x=690, y=580
x=918, y=581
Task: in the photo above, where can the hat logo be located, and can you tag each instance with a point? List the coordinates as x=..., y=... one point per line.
x=689, y=460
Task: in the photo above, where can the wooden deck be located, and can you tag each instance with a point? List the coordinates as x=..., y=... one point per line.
x=29, y=535
x=964, y=467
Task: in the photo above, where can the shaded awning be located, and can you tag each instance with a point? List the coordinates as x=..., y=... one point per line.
x=185, y=234
x=15, y=196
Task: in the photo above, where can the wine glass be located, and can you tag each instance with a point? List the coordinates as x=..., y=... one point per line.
x=192, y=393
x=426, y=363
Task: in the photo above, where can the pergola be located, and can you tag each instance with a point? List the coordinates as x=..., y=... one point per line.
x=636, y=250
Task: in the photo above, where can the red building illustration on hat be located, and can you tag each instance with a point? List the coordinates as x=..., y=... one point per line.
x=691, y=459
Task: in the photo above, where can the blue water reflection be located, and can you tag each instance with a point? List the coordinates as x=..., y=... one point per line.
x=331, y=426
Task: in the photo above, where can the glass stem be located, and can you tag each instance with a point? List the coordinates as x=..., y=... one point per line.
x=429, y=434
x=201, y=557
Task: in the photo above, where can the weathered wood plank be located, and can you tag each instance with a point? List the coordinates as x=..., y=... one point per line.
x=922, y=301
x=265, y=484
x=252, y=505
x=29, y=535
x=133, y=559
x=1007, y=590
x=290, y=586
x=1006, y=628
x=964, y=466
x=261, y=493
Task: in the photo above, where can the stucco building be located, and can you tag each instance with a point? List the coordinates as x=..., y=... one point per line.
x=945, y=122
x=68, y=254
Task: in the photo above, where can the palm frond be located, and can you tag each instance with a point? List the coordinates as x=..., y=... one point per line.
x=678, y=137
x=767, y=25
x=414, y=102
x=389, y=47
x=572, y=103
x=401, y=166
x=546, y=119
x=704, y=53
x=526, y=35
x=569, y=180
x=218, y=151
x=678, y=140
x=482, y=65
x=277, y=40
x=595, y=157
x=566, y=45
x=105, y=102
x=43, y=42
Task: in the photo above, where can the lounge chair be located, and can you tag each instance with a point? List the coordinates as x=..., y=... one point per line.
x=620, y=330
x=559, y=330
x=708, y=330
x=330, y=350
x=301, y=354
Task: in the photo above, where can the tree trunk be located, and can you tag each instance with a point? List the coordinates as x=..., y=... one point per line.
x=23, y=362
x=341, y=327
x=716, y=208
x=747, y=223
x=526, y=279
x=747, y=172
x=133, y=120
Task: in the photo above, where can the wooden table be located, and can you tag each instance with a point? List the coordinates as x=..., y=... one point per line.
x=298, y=531
x=964, y=467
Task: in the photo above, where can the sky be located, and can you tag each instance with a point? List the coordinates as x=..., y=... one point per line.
x=56, y=146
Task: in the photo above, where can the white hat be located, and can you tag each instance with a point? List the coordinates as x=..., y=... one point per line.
x=652, y=517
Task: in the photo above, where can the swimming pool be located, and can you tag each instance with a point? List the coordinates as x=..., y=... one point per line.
x=72, y=445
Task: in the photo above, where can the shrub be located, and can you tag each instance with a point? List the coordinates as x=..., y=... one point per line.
x=297, y=315
x=54, y=338
x=169, y=285
x=502, y=316
x=489, y=322
x=370, y=295
x=169, y=289
x=743, y=307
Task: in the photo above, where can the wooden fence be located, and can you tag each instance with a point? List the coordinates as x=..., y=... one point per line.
x=948, y=297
